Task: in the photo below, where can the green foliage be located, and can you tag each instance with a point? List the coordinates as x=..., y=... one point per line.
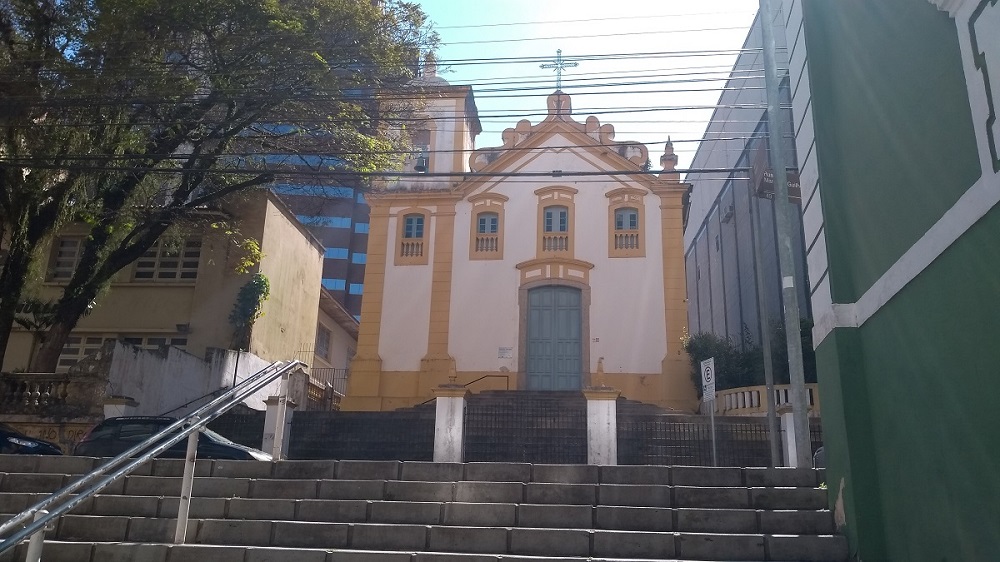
x=743, y=365
x=250, y=255
x=734, y=366
x=35, y=314
x=249, y=252
x=133, y=116
x=247, y=309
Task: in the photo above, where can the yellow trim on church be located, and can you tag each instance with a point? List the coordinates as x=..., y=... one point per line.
x=455, y=266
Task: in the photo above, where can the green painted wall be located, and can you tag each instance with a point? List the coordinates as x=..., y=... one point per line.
x=894, y=152
x=911, y=399
x=852, y=478
x=930, y=374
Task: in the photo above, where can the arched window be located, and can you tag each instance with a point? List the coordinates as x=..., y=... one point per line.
x=627, y=218
x=556, y=219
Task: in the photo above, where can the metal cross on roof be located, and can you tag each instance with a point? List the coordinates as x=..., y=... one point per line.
x=559, y=65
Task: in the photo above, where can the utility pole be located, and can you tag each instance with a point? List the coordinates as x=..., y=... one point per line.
x=765, y=336
x=783, y=222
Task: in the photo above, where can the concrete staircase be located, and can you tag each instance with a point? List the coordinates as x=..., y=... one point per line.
x=389, y=511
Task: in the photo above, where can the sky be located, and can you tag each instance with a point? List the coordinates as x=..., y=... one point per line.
x=668, y=55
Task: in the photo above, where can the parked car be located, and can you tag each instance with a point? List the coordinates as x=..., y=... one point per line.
x=114, y=436
x=13, y=442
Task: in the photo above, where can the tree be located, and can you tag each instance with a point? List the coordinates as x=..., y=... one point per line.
x=133, y=116
x=735, y=365
x=738, y=365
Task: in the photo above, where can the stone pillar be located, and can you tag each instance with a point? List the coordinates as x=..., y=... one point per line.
x=449, y=422
x=675, y=366
x=788, y=450
x=364, y=384
x=298, y=387
x=277, y=426
x=438, y=364
x=602, y=425
x=117, y=406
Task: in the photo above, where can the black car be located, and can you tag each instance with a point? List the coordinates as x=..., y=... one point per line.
x=114, y=436
x=13, y=442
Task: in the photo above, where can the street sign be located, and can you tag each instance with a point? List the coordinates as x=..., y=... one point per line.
x=708, y=380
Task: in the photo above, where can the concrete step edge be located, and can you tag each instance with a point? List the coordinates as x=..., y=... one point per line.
x=472, y=527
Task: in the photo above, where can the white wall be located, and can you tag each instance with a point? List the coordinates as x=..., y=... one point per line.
x=406, y=305
x=627, y=307
x=161, y=382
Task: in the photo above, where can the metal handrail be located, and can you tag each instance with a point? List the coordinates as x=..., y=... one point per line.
x=57, y=504
x=490, y=376
x=472, y=382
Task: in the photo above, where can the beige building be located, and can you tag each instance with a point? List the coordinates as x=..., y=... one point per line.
x=181, y=293
x=554, y=262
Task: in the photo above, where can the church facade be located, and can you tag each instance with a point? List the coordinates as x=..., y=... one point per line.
x=554, y=262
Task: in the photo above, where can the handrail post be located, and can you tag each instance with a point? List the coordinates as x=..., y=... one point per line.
x=602, y=425
x=37, y=540
x=449, y=422
x=277, y=448
x=187, y=485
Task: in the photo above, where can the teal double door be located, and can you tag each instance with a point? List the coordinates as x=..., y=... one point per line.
x=555, y=348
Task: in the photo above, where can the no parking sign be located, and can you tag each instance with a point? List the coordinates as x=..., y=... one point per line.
x=708, y=380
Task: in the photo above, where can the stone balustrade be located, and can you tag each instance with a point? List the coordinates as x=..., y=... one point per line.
x=748, y=400
x=51, y=394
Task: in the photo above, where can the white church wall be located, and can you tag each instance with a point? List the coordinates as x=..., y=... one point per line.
x=627, y=307
x=484, y=316
x=484, y=308
x=627, y=302
x=406, y=307
x=443, y=116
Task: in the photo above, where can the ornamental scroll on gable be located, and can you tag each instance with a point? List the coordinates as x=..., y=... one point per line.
x=559, y=117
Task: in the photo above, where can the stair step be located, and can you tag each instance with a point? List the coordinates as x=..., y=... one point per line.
x=803, y=522
x=59, y=551
x=579, y=543
x=393, y=511
x=468, y=492
x=44, y=471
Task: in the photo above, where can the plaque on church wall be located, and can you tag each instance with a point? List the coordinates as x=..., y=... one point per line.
x=505, y=352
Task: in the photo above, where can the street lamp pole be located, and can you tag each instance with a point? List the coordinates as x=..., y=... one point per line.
x=783, y=222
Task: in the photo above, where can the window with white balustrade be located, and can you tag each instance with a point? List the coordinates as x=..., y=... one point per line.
x=411, y=237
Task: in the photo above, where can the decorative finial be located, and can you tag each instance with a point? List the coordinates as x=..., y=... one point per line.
x=669, y=160
x=452, y=379
x=559, y=104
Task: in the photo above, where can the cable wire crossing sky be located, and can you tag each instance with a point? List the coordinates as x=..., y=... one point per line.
x=653, y=72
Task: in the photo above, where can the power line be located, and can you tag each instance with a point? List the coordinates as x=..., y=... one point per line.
x=672, y=16
x=392, y=174
x=276, y=152
x=631, y=33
